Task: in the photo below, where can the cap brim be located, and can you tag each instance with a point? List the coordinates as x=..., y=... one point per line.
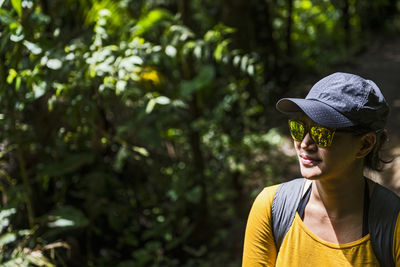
x=319, y=112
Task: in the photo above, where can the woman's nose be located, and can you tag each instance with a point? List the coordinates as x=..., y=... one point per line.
x=308, y=142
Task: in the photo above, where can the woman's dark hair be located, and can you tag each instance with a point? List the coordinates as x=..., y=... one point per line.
x=374, y=160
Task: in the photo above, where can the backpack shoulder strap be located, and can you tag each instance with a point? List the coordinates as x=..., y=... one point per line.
x=284, y=206
x=383, y=211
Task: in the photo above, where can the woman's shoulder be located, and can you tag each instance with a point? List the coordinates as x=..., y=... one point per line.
x=268, y=191
x=265, y=197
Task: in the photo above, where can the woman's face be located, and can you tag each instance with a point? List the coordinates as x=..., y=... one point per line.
x=340, y=159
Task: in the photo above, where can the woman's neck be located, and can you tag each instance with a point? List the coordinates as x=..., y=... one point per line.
x=339, y=196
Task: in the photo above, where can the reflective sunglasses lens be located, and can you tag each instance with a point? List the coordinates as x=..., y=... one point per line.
x=297, y=130
x=322, y=136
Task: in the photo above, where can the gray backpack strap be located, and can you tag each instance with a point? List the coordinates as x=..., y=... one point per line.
x=383, y=211
x=284, y=206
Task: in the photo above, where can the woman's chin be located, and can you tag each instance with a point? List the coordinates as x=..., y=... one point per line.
x=311, y=173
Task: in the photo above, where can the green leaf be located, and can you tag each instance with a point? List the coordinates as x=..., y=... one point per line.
x=150, y=106
x=68, y=164
x=34, y=48
x=163, y=100
x=38, y=259
x=204, y=78
x=4, y=39
x=194, y=195
x=127, y=263
x=6, y=213
x=67, y=217
x=221, y=48
x=244, y=63
x=4, y=218
x=17, y=6
x=122, y=155
x=150, y=19
x=170, y=51
x=16, y=261
x=18, y=83
x=273, y=137
x=306, y=4
x=120, y=86
x=54, y=64
x=7, y=238
x=39, y=89
x=141, y=150
x=11, y=75
x=6, y=17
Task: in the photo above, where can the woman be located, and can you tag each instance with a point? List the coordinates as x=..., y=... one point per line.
x=336, y=216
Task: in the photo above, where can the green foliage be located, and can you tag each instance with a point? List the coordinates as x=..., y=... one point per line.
x=134, y=133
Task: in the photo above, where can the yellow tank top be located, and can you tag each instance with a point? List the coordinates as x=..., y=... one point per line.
x=301, y=247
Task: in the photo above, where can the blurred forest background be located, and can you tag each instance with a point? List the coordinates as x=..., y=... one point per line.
x=137, y=132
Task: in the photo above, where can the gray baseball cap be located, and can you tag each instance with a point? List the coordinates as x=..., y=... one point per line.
x=341, y=100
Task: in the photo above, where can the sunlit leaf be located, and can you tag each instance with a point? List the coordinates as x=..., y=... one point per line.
x=17, y=38
x=18, y=81
x=162, y=100
x=250, y=70
x=150, y=105
x=128, y=263
x=198, y=51
x=61, y=223
x=4, y=218
x=273, y=137
x=306, y=4
x=67, y=216
x=243, y=63
x=220, y=49
x=39, y=88
x=6, y=213
x=141, y=150
x=121, y=86
x=17, y=6
x=123, y=154
x=34, y=48
x=170, y=51
x=188, y=46
x=38, y=259
x=11, y=75
x=236, y=61
x=129, y=63
x=7, y=238
x=54, y=64
x=150, y=19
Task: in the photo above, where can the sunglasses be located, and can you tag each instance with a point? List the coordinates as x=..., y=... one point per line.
x=321, y=136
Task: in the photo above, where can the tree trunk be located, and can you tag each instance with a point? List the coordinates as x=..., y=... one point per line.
x=289, y=29
x=346, y=23
x=238, y=14
x=188, y=73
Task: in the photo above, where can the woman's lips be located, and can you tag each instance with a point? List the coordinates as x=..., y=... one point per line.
x=308, y=161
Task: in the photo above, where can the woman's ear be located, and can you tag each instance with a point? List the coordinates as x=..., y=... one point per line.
x=368, y=142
